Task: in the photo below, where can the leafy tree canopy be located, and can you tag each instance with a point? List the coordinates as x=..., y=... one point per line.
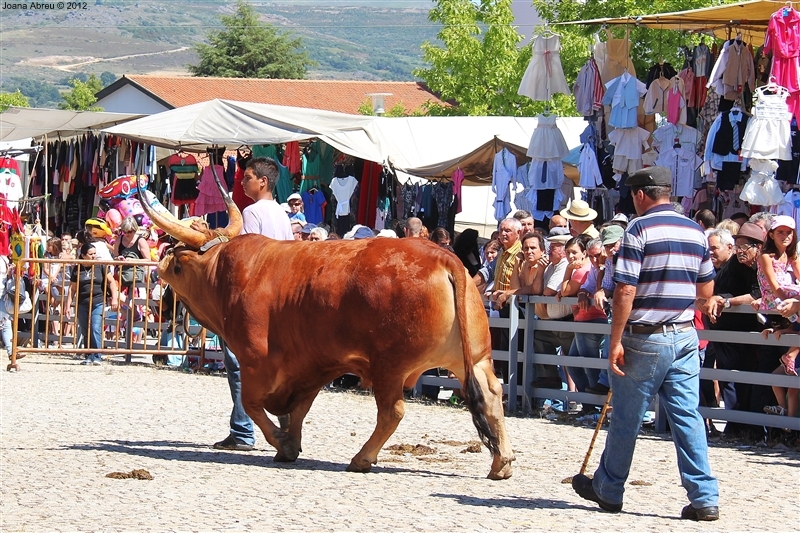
x=248, y=48
x=397, y=110
x=82, y=96
x=107, y=78
x=16, y=99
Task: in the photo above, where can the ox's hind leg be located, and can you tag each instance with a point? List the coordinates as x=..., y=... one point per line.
x=391, y=408
x=493, y=399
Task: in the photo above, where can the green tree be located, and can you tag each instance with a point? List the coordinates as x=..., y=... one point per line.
x=16, y=99
x=397, y=110
x=82, y=96
x=107, y=78
x=248, y=48
x=480, y=64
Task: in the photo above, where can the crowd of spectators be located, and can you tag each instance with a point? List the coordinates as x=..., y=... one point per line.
x=755, y=259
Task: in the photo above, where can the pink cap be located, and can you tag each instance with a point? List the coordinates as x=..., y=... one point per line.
x=782, y=220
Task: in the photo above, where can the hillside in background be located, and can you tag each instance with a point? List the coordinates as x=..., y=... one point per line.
x=42, y=50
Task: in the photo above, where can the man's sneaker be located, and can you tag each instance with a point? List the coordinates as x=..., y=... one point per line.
x=703, y=514
x=583, y=486
x=230, y=443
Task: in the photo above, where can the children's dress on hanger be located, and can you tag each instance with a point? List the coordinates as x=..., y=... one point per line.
x=547, y=141
x=544, y=76
x=768, y=134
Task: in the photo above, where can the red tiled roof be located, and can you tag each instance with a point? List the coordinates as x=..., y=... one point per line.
x=330, y=95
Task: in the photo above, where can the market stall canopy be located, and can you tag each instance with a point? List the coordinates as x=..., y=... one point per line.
x=421, y=146
x=25, y=122
x=722, y=21
x=436, y=146
x=232, y=124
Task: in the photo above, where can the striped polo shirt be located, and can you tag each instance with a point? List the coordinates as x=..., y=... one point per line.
x=664, y=255
x=505, y=267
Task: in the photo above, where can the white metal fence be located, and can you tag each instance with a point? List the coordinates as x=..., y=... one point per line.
x=523, y=397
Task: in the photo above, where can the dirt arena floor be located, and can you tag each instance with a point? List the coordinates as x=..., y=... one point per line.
x=65, y=427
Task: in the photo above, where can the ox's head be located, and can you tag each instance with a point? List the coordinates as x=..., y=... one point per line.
x=185, y=268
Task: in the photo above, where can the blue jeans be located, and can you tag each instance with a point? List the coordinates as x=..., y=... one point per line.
x=586, y=345
x=241, y=424
x=7, y=332
x=666, y=364
x=95, y=337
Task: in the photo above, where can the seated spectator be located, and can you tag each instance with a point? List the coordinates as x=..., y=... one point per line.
x=706, y=219
x=88, y=283
x=295, y=202
x=387, y=233
x=728, y=225
x=739, y=218
x=317, y=234
x=413, y=227
x=528, y=274
x=441, y=237
x=297, y=230
x=584, y=344
x=305, y=233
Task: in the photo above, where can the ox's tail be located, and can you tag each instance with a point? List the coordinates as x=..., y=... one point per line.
x=473, y=395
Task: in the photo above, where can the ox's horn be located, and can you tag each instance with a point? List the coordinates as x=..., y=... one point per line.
x=234, y=226
x=192, y=238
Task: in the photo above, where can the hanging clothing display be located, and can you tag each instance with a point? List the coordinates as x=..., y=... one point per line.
x=588, y=89
x=672, y=134
x=504, y=172
x=724, y=141
x=291, y=157
x=458, y=179
x=547, y=141
x=618, y=57
x=768, y=133
x=208, y=197
x=682, y=163
x=783, y=42
x=629, y=145
x=734, y=68
x=544, y=76
x=623, y=94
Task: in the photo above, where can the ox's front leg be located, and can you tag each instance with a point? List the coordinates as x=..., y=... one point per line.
x=288, y=448
x=493, y=400
x=293, y=423
x=391, y=409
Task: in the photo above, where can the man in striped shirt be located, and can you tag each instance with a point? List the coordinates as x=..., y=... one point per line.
x=663, y=265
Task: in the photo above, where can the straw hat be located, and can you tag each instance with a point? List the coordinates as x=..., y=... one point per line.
x=578, y=210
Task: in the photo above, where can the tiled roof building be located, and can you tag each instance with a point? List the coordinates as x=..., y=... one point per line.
x=152, y=94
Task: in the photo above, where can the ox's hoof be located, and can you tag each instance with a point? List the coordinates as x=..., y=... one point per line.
x=503, y=473
x=288, y=449
x=359, y=465
x=501, y=469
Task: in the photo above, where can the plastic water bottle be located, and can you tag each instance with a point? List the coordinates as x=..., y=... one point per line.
x=792, y=318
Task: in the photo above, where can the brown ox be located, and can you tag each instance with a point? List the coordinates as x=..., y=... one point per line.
x=300, y=314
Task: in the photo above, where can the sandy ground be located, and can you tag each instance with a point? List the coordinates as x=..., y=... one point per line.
x=64, y=427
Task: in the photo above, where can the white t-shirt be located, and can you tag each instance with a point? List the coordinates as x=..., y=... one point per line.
x=343, y=189
x=267, y=217
x=11, y=187
x=553, y=278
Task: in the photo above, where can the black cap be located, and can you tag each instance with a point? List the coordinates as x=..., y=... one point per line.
x=650, y=176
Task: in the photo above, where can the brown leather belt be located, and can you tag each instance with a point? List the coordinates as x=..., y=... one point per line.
x=674, y=327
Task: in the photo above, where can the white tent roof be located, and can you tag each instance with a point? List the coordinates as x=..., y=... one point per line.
x=232, y=124
x=25, y=122
x=423, y=146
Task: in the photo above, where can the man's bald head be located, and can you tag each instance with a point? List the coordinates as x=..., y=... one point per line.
x=413, y=227
x=558, y=222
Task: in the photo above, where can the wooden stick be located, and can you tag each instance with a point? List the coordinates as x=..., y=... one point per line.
x=596, y=431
